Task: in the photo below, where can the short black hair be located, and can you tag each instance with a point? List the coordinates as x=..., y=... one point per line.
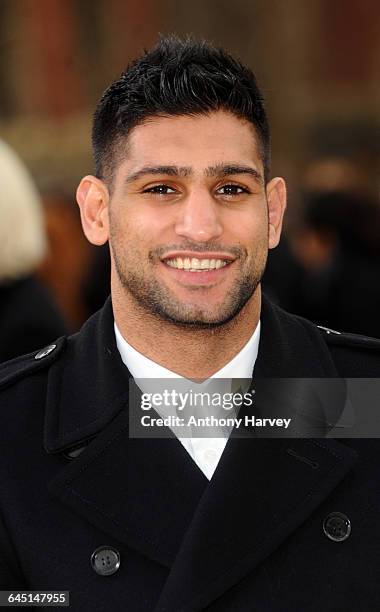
x=176, y=77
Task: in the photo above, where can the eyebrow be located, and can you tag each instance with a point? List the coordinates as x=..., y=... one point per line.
x=227, y=169
x=184, y=171
x=169, y=170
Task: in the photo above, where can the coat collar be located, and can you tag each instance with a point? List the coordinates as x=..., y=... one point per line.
x=150, y=495
x=87, y=387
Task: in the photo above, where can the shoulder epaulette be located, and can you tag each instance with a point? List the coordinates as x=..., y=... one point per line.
x=345, y=339
x=16, y=369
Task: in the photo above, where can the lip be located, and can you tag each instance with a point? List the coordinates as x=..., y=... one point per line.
x=203, y=278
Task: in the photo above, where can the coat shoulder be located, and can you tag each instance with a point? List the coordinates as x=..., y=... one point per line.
x=339, y=338
x=354, y=355
x=24, y=366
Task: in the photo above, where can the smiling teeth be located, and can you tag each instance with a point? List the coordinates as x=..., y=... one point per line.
x=196, y=265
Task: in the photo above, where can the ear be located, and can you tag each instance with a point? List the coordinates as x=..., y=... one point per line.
x=276, y=198
x=93, y=200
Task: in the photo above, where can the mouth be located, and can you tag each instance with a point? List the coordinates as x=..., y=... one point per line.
x=200, y=270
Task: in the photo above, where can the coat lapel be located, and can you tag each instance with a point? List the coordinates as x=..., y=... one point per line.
x=260, y=493
x=263, y=489
x=142, y=492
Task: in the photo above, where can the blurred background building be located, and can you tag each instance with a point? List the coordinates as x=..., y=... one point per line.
x=318, y=63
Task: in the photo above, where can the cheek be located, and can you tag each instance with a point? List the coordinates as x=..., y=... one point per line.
x=145, y=225
x=251, y=231
x=129, y=230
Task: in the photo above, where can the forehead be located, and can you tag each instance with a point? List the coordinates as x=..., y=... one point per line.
x=198, y=141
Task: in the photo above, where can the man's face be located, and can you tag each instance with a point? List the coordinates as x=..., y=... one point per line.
x=189, y=219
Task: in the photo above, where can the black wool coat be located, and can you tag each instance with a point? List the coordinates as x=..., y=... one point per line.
x=250, y=540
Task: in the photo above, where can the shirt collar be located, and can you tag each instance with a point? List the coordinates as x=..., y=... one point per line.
x=240, y=366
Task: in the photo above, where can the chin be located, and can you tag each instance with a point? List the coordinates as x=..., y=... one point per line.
x=199, y=319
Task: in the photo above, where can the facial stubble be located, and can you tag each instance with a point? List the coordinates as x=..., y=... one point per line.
x=157, y=300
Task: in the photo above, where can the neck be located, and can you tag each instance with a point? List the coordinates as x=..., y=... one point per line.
x=192, y=353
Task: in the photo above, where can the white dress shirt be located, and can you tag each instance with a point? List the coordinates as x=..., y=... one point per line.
x=206, y=452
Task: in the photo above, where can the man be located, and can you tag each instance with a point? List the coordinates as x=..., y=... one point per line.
x=182, y=193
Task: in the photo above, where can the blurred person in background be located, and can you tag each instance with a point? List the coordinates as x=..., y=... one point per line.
x=327, y=268
x=29, y=319
x=339, y=253
x=66, y=266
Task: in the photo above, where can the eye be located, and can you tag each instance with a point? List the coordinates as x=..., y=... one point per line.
x=160, y=190
x=232, y=190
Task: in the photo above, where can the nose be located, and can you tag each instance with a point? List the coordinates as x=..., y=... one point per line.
x=199, y=218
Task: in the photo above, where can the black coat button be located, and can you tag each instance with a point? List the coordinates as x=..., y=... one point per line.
x=337, y=526
x=105, y=560
x=74, y=452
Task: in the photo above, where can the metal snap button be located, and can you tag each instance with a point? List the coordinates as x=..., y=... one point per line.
x=337, y=526
x=45, y=351
x=105, y=560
